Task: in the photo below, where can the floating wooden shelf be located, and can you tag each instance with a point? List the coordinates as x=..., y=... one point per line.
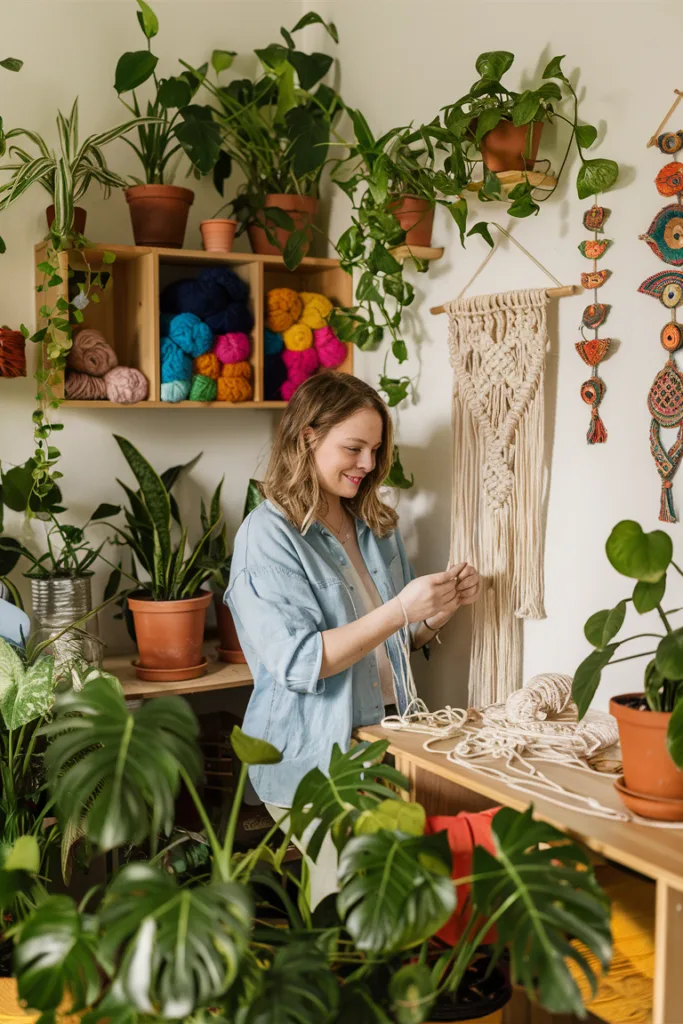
x=420, y=252
x=219, y=676
x=127, y=313
x=509, y=179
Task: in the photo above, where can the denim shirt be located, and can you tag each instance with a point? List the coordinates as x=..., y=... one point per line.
x=285, y=589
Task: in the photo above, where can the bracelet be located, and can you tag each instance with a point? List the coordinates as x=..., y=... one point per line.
x=406, y=620
x=431, y=629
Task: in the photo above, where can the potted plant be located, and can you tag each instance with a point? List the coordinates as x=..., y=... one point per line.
x=10, y=64
x=650, y=721
x=277, y=130
x=159, y=209
x=168, y=604
x=240, y=937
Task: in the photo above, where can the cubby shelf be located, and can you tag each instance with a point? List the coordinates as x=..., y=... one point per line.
x=127, y=313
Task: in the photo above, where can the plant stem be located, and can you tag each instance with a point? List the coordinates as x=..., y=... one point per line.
x=630, y=657
x=210, y=834
x=232, y=820
x=662, y=615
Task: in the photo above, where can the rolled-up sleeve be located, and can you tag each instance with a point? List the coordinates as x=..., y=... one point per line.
x=283, y=620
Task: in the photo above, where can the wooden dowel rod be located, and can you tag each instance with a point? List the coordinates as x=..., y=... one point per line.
x=653, y=140
x=553, y=293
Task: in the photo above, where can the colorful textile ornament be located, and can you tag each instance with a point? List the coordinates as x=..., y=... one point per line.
x=593, y=352
x=207, y=365
x=284, y=307
x=670, y=142
x=298, y=337
x=667, y=464
x=175, y=391
x=595, y=315
x=203, y=389
x=316, y=311
x=594, y=218
x=669, y=181
x=234, y=389
x=667, y=286
x=594, y=279
x=671, y=337
x=593, y=392
x=665, y=398
x=665, y=234
x=12, y=353
x=594, y=249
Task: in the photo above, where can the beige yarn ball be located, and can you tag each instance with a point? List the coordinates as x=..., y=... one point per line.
x=91, y=353
x=126, y=385
x=81, y=387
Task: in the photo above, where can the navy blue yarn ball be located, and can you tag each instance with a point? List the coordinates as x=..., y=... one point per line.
x=192, y=296
x=231, y=320
x=274, y=376
x=237, y=289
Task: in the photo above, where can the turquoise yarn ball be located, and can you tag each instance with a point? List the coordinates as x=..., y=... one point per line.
x=175, y=391
x=272, y=342
x=175, y=365
x=188, y=332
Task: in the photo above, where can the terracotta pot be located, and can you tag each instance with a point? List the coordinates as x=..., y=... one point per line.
x=506, y=147
x=159, y=214
x=12, y=353
x=218, y=234
x=648, y=769
x=490, y=1018
x=416, y=217
x=170, y=633
x=11, y=1009
x=302, y=210
x=229, y=649
x=79, y=218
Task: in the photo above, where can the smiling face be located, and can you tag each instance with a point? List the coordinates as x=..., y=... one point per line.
x=348, y=452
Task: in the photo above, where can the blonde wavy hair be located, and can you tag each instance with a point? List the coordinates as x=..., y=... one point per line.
x=291, y=481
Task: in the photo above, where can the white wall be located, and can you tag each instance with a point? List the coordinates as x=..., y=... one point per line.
x=401, y=61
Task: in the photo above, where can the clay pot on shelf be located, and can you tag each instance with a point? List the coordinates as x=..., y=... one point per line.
x=507, y=147
x=302, y=210
x=169, y=636
x=79, y=218
x=159, y=214
x=416, y=217
x=229, y=646
x=218, y=234
x=653, y=785
x=12, y=353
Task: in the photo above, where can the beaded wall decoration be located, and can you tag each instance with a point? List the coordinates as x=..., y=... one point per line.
x=665, y=237
x=594, y=350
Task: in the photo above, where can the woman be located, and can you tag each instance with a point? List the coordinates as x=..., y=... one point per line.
x=320, y=587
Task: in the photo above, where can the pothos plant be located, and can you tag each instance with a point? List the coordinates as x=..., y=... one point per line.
x=9, y=64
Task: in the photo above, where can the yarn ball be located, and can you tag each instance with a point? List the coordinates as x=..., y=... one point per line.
x=274, y=376
x=317, y=309
x=234, y=389
x=234, y=370
x=175, y=391
x=83, y=387
x=284, y=308
x=91, y=353
x=298, y=337
x=330, y=349
x=126, y=385
x=301, y=364
x=188, y=332
x=236, y=288
x=232, y=348
x=203, y=389
x=231, y=319
x=207, y=365
x=288, y=389
x=191, y=295
x=272, y=342
x=175, y=364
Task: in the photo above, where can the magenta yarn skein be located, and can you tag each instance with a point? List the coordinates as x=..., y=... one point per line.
x=300, y=364
x=331, y=350
x=126, y=385
x=232, y=348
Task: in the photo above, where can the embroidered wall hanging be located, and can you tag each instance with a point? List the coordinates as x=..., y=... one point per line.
x=594, y=350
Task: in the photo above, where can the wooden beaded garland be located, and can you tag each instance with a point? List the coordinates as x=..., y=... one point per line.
x=594, y=350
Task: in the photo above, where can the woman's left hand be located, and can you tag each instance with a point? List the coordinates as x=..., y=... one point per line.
x=468, y=587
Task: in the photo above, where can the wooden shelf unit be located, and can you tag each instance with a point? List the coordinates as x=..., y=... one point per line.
x=128, y=311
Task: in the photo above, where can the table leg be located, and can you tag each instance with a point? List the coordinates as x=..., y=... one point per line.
x=668, y=983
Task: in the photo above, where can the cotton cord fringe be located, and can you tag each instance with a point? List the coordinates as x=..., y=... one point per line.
x=497, y=346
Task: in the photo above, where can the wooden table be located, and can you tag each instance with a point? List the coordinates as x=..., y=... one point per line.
x=219, y=676
x=445, y=788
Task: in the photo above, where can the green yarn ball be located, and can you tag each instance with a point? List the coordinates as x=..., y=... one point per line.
x=203, y=389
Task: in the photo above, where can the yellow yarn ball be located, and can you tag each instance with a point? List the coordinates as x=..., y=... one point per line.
x=284, y=309
x=207, y=365
x=317, y=309
x=235, y=370
x=298, y=337
x=234, y=389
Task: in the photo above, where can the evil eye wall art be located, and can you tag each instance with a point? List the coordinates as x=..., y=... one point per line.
x=670, y=142
x=667, y=286
x=593, y=350
x=665, y=235
x=669, y=181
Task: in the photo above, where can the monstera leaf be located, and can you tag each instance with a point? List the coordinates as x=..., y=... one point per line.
x=551, y=898
x=178, y=948
x=26, y=693
x=17, y=866
x=298, y=988
x=116, y=774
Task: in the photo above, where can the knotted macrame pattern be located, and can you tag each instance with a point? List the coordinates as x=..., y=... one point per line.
x=497, y=347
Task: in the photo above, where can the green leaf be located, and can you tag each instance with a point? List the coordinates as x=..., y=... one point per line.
x=646, y=596
x=492, y=187
x=525, y=107
x=174, y=92
x=482, y=228
x=200, y=137
x=596, y=176
x=674, y=735
x=549, y=91
x=493, y=64
x=552, y=898
x=295, y=248
x=104, y=511
x=312, y=18
x=586, y=135
x=10, y=553
x=254, y=497
x=381, y=260
x=133, y=69
x=554, y=69
x=366, y=289
x=24, y=855
x=11, y=672
x=221, y=60
x=17, y=484
x=395, y=890
x=298, y=988
x=396, y=476
x=604, y=626
x=654, y=686
x=393, y=816
x=395, y=388
x=148, y=19
x=642, y=556
x=399, y=350
x=458, y=211
x=669, y=657
x=251, y=750
x=378, y=179
x=156, y=502
x=486, y=122
x=11, y=64
x=273, y=57
x=364, y=136
x=29, y=695
x=412, y=994
x=587, y=677
x=310, y=67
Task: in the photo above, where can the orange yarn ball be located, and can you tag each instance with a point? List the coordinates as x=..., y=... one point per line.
x=234, y=389
x=207, y=365
x=317, y=309
x=235, y=370
x=298, y=337
x=284, y=308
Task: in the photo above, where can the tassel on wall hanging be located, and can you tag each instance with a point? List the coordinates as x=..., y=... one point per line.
x=665, y=237
x=594, y=350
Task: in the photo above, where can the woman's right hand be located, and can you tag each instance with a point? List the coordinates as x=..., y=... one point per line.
x=428, y=595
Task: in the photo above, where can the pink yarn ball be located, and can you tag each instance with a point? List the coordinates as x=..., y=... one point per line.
x=288, y=389
x=330, y=349
x=301, y=364
x=126, y=385
x=232, y=348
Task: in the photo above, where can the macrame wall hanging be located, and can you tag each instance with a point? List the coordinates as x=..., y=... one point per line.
x=665, y=238
x=497, y=346
x=594, y=350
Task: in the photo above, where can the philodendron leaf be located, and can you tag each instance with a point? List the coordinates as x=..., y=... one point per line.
x=482, y=228
x=11, y=672
x=646, y=596
x=554, y=69
x=595, y=176
x=393, y=816
x=412, y=993
x=674, y=735
x=642, y=556
x=298, y=988
x=493, y=64
x=587, y=677
x=149, y=23
x=251, y=750
x=604, y=625
x=133, y=69
x=586, y=135
x=31, y=696
x=21, y=861
x=669, y=656
x=221, y=60
x=487, y=120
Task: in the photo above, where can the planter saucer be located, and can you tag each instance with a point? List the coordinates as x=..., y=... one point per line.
x=170, y=675
x=232, y=657
x=656, y=807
